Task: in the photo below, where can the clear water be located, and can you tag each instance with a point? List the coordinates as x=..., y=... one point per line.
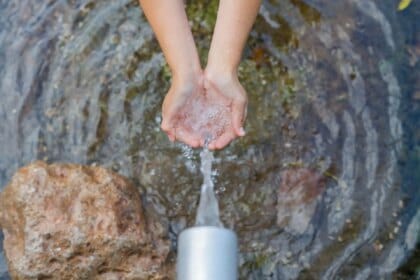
x=208, y=207
x=332, y=86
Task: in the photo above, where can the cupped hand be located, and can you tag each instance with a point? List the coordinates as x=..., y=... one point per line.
x=226, y=91
x=174, y=115
x=206, y=110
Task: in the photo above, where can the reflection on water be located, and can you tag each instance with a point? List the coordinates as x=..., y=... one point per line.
x=330, y=85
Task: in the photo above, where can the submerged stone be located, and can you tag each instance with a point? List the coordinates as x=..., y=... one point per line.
x=297, y=198
x=66, y=221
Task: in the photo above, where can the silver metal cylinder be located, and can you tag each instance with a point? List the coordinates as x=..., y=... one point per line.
x=207, y=253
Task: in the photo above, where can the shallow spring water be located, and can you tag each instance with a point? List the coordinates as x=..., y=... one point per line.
x=324, y=185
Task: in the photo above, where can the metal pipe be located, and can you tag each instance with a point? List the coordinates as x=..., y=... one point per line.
x=207, y=253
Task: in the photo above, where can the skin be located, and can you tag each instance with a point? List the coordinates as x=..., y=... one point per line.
x=219, y=80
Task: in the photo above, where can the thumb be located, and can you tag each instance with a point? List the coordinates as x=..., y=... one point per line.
x=238, y=116
x=168, y=118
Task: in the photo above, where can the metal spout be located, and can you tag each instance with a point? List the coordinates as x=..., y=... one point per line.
x=207, y=253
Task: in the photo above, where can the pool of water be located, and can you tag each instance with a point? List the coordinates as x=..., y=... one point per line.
x=332, y=89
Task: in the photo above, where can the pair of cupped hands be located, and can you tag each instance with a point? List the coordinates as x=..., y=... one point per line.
x=205, y=108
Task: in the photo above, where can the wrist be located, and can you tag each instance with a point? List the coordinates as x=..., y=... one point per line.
x=220, y=67
x=185, y=64
x=220, y=74
x=222, y=58
x=187, y=75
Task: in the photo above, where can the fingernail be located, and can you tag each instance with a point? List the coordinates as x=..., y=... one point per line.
x=241, y=131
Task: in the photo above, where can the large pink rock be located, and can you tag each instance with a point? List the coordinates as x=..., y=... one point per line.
x=65, y=221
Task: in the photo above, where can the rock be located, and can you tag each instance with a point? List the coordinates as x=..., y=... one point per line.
x=297, y=198
x=66, y=221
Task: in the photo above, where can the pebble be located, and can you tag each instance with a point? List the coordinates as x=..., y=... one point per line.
x=378, y=246
x=284, y=261
x=50, y=112
x=338, y=207
x=115, y=39
x=295, y=266
x=401, y=203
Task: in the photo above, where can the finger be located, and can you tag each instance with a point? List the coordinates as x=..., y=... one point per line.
x=166, y=125
x=171, y=137
x=201, y=81
x=168, y=128
x=169, y=114
x=206, y=84
x=188, y=138
x=222, y=141
x=245, y=113
x=238, y=116
x=203, y=141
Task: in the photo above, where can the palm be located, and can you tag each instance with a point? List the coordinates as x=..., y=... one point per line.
x=211, y=114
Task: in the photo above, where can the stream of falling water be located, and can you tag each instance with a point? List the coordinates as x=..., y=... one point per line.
x=208, y=208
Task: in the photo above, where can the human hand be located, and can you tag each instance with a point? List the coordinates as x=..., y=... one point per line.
x=175, y=109
x=205, y=108
x=196, y=109
x=227, y=91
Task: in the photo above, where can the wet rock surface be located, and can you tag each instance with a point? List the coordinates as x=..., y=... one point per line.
x=300, y=190
x=65, y=221
x=331, y=87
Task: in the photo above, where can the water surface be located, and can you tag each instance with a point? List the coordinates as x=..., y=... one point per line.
x=332, y=89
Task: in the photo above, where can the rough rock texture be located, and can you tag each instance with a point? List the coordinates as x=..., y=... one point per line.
x=65, y=221
x=297, y=198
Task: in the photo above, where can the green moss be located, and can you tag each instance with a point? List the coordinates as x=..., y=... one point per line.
x=257, y=262
x=202, y=15
x=144, y=53
x=283, y=36
x=166, y=73
x=308, y=13
x=102, y=128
